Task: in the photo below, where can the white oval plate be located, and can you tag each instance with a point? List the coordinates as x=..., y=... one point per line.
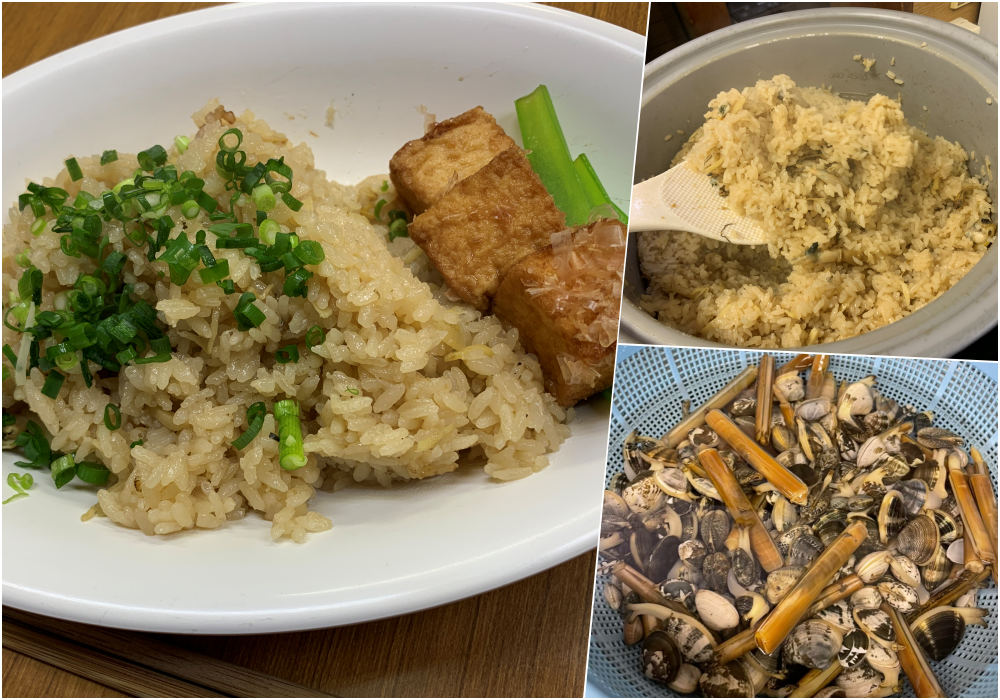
x=390, y=551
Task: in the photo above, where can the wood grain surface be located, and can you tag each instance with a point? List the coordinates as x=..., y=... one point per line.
x=527, y=639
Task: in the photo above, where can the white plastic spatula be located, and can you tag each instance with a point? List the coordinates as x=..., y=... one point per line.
x=684, y=200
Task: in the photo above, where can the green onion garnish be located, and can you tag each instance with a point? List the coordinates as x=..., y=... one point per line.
x=216, y=273
x=36, y=446
x=153, y=359
x=255, y=421
x=37, y=226
x=182, y=143
x=378, y=209
x=385, y=185
x=53, y=383
x=309, y=252
x=22, y=258
x=20, y=483
x=152, y=158
x=73, y=168
x=109, y=157
x=291, y=452
x=289, y=353
x=295, y=283
x=137, y=443
x=190, y=209
x=112, y=417
x=263, y=197
x=290, y=201
x=93, y=473
x=63, y=470
x=269, y=228
x=315, y=336
x=398, y=229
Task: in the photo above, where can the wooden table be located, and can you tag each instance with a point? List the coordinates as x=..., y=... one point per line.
x=527, y=639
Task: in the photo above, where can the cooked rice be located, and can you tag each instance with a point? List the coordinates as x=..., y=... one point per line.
x=407, y=385
x=826, y=176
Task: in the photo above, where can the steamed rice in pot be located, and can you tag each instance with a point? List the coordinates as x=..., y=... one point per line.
x=831, y=180
x=405, y=386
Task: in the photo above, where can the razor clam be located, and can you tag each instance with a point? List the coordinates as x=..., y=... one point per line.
x=716, y=611
x=661, y=659
x=813, y=644
x=781, y=581
x=878, y=626
x=853, y=649
x=939, y=631
x=899, y=596
x=867, y=597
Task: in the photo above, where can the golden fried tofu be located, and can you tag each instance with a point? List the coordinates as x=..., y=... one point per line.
x=424, y=170
x=565, y=300
x=485, y=224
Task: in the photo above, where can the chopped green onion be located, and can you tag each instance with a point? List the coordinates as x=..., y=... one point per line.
x=38, y=226
x=255, y=421
x=53, y=383
x=127, y=355
x=152, y=359
x=226, y=148
x=20, y=483
x=22, y=258
x=93, y=473
x=160, y=346
x=592, y=187
x=549, y=155
x=66, y=361
x=109, y=157
x=310, y=252
x=151, y=158
x=315, y=336
x=112, y=411
x=398, y=229
x=216, y=273
x=81, y=336
x=378, y=209
x=287, y=354
x=385, y=185
x=182, y=143
x=291, y=452
x=63, y=470
x=263, y=197
x=73, y=168
x=227, y=286
x=36, y=446
x=137, y=443
x=268, y=229
x=290, y=201
x=190, y=209
x=295, y=283
x=206, y=202
x=8, y=352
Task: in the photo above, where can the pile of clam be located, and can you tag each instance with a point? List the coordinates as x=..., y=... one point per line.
x=798, y=537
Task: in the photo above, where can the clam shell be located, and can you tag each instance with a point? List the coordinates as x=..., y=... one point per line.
x=785, y=540
x=694, y=646
x=615, y=505
x=813, y=409
x=905, y=570
x=662, y=559
x=731, y=680
x=781, y=581
x=716, y=572
x=745, y=568
x=672, y=482
x=681, y=591
x=937, y=570
x=783, y=514
x=716, y=611
x=830, y=692
x=900, y=596
x=872, y=567
x=689, y=525
x=703, y=436
x=878, y=626
x=791, y=385
x=643, y=495
x=860, y=503
x=783, y=438
x=633, y=631
x=914, y=494
x=813, y=644
x=838, y=616
x=613, y=595
x=641, y=544
x=867, y=597
x=619, y=482
x=956, y=551
x=661, y=659
x=829, y=528
x=692, y=552
x=743, y=406
x=686, y=680
x=891, y=516
x=862, y=681
x=715, y=530
x=939, y=634
x=948, y=528
x=853, y=649
x=918, y=539
x=939, y=438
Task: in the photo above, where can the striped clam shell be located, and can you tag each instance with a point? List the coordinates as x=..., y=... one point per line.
x=853, y=649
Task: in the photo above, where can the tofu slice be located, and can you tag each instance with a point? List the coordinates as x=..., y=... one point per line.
x=424, y=170
x=485, y=224
x=565, y=302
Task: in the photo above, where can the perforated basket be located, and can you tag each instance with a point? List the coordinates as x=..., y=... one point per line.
x=649, y=389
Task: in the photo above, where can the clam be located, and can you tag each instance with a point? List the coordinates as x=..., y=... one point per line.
x=672, y=482
x=681, y=591
x=703, y=437
x=939, y=631
x=791, y=385
x=805, y=549
x=781, y=581
x=857, y=400
x=936, y=571
x=715, y=530
x=790, y=458
x=716, y=572
x=867, y=597
x=662, y=559
x=752, y=607
x=885, y=662
x=743, y=406
x=633, y=632
x=731, y=680
x=745, y=567
x=783, y=438
x=643, y=495
x=619, y=482
x=876, y=422
x=838, y=616
x=783, y=514
x=692, y=553
x=956, y=551
x=693, y=639
x=861, y=681
x=939, y=438
x=913, y=493
x=829, y=526
x=922, y=420
x=918, y=539
x=716, y=611
x=613, y=595
x=891, y=516
x=948, y=527
x=748, y=478
x=661, y=659
x=873, y=566
x=860, y=503
x=615, y=505
x=635, y=445
x=878, y=626
x=812, y=410
x=830, y=692
x=641, y=544
x=871, y=543
x=813, y=644
x=900, y=596
x=668, y=520
x=905, y=570
x=853, y=649
x=702, y=485
x=614, y=546
x=686, y=680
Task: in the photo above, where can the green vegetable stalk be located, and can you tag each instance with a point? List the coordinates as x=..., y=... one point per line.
x=596, y=194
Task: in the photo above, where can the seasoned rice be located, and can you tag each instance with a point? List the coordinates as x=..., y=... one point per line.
x=407, y=384
x=830, y=179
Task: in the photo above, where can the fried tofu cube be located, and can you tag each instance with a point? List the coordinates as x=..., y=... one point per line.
x=485, y=224
x=424, y=170
x=565, y=301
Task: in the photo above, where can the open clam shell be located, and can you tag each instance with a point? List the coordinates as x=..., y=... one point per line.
x=853, y=649
x=813, y=644
x=662, y=558
x=681, y=591
x=692, y=552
